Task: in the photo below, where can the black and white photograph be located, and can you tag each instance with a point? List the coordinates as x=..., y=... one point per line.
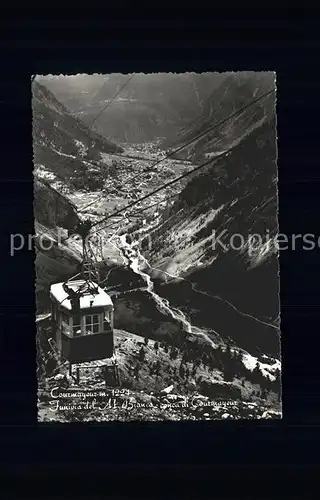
x=157, y=254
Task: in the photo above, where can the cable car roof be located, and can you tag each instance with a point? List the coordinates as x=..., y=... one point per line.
x=87, y=300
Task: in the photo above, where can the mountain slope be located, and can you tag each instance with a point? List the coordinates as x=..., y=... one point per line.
x=157, y=384
x=63, y=145
x=67, y=156
x=236, y=195
x=51, y=208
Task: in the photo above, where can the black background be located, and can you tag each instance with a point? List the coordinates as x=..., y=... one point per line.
x=252, y=458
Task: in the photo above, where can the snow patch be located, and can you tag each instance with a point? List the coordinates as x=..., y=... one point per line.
x=250, y=362
x=81, y=147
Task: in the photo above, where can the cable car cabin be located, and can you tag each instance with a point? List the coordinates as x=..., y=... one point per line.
x=83, y=332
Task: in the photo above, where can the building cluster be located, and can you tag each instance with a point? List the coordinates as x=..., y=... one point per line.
x=132, y=179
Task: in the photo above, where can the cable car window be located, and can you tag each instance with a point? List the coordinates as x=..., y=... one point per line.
x=92, y=323
x=76, y=326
